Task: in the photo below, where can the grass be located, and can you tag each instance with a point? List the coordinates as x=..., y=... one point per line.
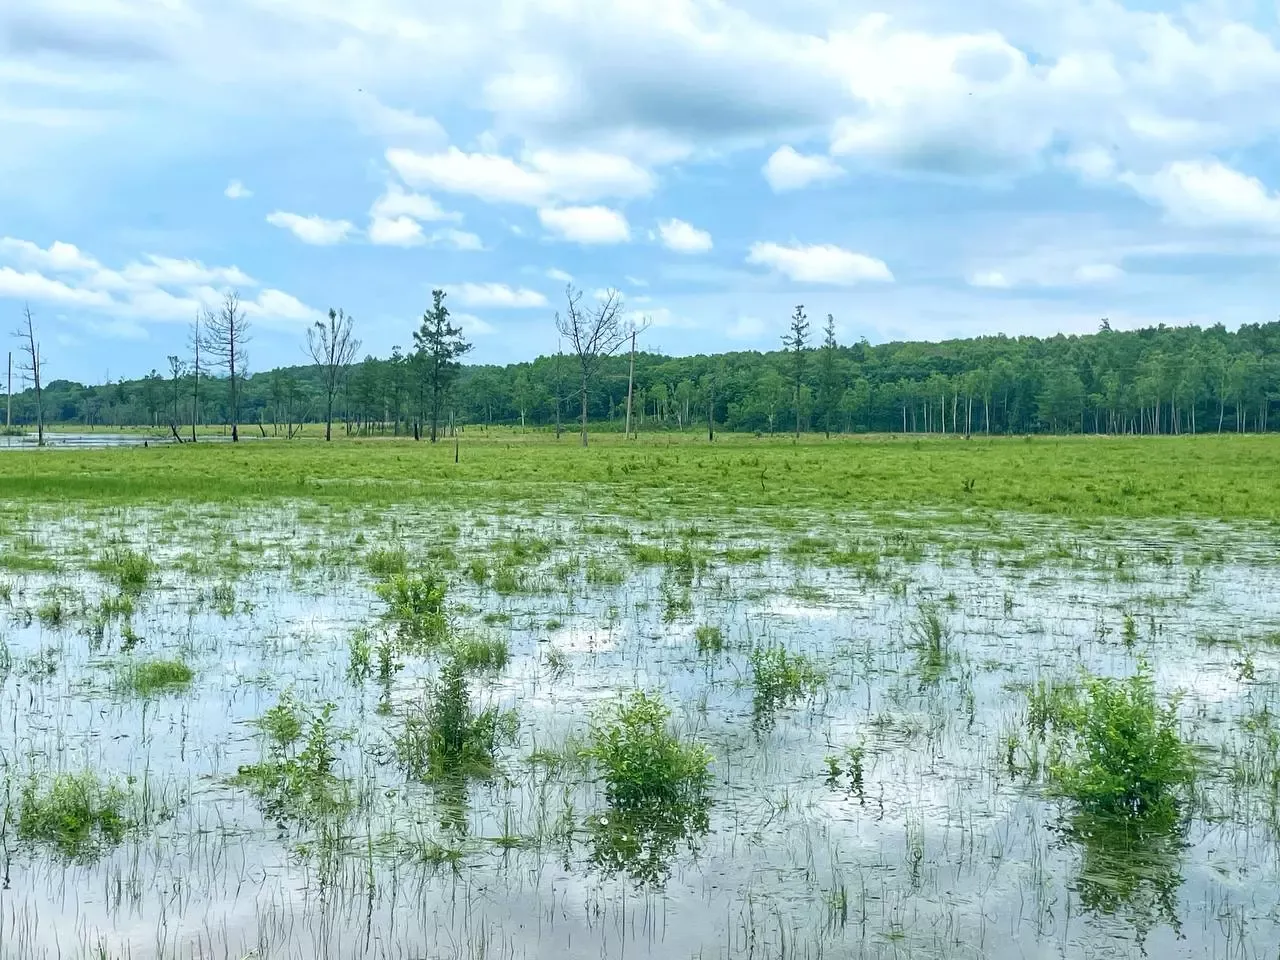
x=78, y=815
x=1212, y=476
x=128, y=569
x=780, y=677
x=710, y=639
x=447, y=737
x=295, y=782
x=149, y=678
x=416, y=605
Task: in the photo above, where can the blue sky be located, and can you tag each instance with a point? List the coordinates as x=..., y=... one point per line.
x=1017, y=166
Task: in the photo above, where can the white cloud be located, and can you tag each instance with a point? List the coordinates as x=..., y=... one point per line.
x=746, y=328
x=991, y=279
x=559, y=276
x=495, y=295
x=395, y=203
x=36, y=286
x=586, y=225
x=819, y=263
x=1207, y=193
x=540, y=177
x=313, y=230
x=457, y=239
x=168, y=271
x=393, y=123
x=237, y=191
x=472, y=325
x=59, y=256
x=684, y=237
x=151, y=288
x=278, y=305
x=395, y=232
x=788, y=170
x=1038, y=270
x=1097, y=273
x=636, y=281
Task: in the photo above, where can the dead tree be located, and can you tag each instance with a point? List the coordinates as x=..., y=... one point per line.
x=332, y=348
x=631, y=371
x=226, y=334
x=595, y=334
x=31, y=368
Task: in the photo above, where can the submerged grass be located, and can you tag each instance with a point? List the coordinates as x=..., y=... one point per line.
x=78, y=815
x=147, y=678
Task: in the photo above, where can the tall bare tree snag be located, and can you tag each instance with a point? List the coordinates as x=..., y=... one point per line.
x=595, y=333
x=631, y=371
x=226, y=336
x=27, y=335
x=332, y=348
x=195, y=376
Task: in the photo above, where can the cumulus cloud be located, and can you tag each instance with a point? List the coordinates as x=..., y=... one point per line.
x=495, y=295
x=683, y=237
x=153, y=287
x=237, y=191
x=559, y=275
x=819, y=263
x=1044, y=271
x=313, y=230
x=585, y=225
x=788, y=170
x=1208, y=193
x=396, y=202
x=538, y=178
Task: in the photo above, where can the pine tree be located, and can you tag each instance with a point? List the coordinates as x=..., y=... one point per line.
x=796, y=342
x=439, y=346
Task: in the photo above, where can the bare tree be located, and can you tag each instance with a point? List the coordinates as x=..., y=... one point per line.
x=195, y=376
x=27, y=334
x=226, y=334
x=332, y=347
x=595, y=333
x=636, y=329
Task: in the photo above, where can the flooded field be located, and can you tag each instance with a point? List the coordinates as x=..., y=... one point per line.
x=286, y=731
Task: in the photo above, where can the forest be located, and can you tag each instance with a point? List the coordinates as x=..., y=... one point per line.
x=1161, y=380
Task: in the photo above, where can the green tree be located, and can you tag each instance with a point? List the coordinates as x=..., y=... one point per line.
x=439, y=346
x=795, y=342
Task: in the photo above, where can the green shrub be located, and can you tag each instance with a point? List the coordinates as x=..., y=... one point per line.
x=416, y=605
x=1124, y=758
x=293, y=784
x=645, y=766
x=77, y=814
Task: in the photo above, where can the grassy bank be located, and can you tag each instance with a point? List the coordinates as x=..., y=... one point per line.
x=1225, y=477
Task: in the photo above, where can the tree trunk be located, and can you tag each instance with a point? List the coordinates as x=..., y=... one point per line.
x=584, y=411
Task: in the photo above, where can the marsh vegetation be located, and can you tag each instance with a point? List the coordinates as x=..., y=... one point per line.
x=318, y=724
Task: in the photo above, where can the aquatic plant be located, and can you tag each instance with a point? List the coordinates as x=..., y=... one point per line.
x=644, y=764
x=146, y=678
x=446, y=736
x=78, y=815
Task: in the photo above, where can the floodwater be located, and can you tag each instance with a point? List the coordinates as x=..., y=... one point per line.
x=951, y=846
x=90, y=440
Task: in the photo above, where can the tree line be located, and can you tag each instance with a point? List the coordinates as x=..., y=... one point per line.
x=1159, y=380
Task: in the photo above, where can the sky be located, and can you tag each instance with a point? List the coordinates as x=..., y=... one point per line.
x=918, y=170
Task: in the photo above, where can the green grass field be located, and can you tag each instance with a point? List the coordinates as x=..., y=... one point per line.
x=1228, y=477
